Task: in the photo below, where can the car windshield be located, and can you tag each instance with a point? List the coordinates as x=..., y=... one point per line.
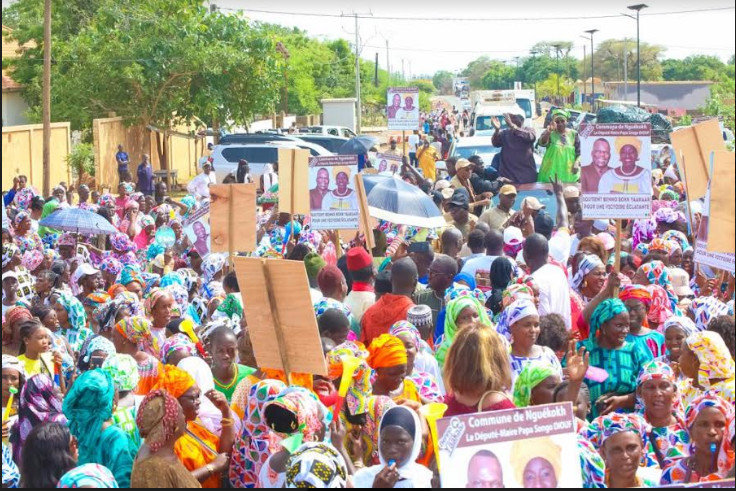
x=467, y=152
x=485, y=122
x=526, y=106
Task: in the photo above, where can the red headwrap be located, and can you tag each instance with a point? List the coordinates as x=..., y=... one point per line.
x=386, y=351
x=330, y=279
x=17, y=314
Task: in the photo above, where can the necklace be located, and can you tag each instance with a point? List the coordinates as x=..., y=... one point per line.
x=232, y=382
x=621, y=169
x=341, y=195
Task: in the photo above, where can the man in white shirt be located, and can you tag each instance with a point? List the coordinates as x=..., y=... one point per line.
x=413, y=147
x=554, y=292
x=363, y=295
x=480, y=267
x=199, y=186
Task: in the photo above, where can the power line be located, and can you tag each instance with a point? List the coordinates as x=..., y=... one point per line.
x=475, y=19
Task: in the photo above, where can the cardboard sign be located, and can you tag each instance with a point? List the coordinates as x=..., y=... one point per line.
x=496, y=449
x=293, y=173
x=367, y=222
x=693, y=146
x=722, y=207
x=402, y=108
x=233, y=217
x=388, y=164
x=702, y=255
x=333, y=198
x=281, y=320
x=197, y=229
x=616, y=177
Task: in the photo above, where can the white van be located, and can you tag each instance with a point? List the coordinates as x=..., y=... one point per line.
x=484, y=114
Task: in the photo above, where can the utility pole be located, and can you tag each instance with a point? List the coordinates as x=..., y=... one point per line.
x=46, y=97
x=534, y=65
x=584, y=82
x=375, y=74
x=638, y=8
x=358, y=101
x=557, y=49
x=626, y=69
x=388, y=64
x=592, y=68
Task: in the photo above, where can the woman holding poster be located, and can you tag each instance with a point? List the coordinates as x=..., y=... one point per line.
x=342, y=197
x=629, y=178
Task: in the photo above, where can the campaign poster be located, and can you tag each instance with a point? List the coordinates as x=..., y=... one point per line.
x=197, y=229
x=333, y=199
x=517, y=448
x=385, y=163
x=616, y=175
x=402, y=108
x=719, y=260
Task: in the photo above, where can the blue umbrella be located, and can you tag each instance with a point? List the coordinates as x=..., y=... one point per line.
x=78, y=221
x=401, y=203
x=359, y=145
x=371, y=180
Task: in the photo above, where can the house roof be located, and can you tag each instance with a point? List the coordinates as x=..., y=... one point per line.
x=11, y=49
x=665, y=82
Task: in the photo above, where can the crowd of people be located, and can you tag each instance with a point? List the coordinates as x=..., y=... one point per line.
x=127, y=361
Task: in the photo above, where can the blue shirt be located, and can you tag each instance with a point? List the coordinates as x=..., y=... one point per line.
x=122, y=157
x=145, y=178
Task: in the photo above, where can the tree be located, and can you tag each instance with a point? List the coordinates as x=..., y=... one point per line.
x=442, y=81
x=609, y=60
x=721, y=102
x=476, y=69
x=697, y=67
x=548, y=87
x=498, y=76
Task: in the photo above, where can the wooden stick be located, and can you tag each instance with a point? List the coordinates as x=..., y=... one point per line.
x=277, y=323
x=230, y=231
x=617, y=257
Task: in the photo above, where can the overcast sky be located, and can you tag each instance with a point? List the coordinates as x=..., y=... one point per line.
x=450, y=44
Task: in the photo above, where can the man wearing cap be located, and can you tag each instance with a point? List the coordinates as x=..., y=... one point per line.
x=459, y=210
x=199, y=187
x=498, y=217
x=572, y=200
x=363, y=295
x=88, y=279
x=590, y=175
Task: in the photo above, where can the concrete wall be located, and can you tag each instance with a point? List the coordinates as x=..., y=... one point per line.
x=14, y=109
x=23, y=154
x=183, y=151
x=339, y=112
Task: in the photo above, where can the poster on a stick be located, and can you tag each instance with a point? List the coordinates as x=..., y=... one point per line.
x=281, y=321
x=333, y=199
x=616, y=177
x=197, y=229
x=388, y=164
x=402, y=108
x=513, y=448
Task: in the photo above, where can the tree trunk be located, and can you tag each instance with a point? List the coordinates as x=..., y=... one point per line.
x=215, y=131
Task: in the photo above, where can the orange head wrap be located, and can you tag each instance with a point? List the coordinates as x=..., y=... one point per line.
x=386, y=351
x=174, y=380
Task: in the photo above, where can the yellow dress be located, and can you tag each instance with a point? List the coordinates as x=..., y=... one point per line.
x=428, y=157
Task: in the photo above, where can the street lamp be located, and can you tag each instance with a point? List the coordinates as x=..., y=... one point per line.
x=638, y=7
x=534, y=68
x=557, y=49
x=592, y=68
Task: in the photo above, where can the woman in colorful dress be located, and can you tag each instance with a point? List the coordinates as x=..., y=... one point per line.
x=637, y=300
x=132, y=336
x=73, y=320
x=388, y=358
x=425, y=382
x=563, y=150
x=25, y=238
x=710, y=421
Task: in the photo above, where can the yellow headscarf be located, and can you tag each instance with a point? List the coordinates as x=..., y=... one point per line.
x=622, y=141
x=524, y=451
x=341, y=168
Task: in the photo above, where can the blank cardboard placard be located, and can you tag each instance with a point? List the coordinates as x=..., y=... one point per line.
x=234, y=203
x=693, y=147
x=294, y=181
x=280, y=315
x=722, y=229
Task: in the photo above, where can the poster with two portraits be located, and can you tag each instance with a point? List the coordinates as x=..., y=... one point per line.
x=402, y=108
x=616, y=171
x=333, y=197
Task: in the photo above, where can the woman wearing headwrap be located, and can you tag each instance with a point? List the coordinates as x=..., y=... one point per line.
x=73, y=320
x=655, y=273
x=590, y=277
x=176, y=348
x=660, y=307
x=427, y=383
x=629, y=178
x=212, y=271
x=25, y=238
x=622, y=440
x=397, y=467
x=362, y=410
x=132, y=336
x=709, y=421
x=161, y=422
x=704, y=309
x=123, y=370
x=536, y=378
x=521, y=323
x=295, y=410
x=89, y=476
x=147, y=234
x=110, y=268
x=95, y=350
x=537, y=462
x=48, y=209
x=463, y=311
x=638, y=301
x=14, y=317
x=387, y=356
x=256, y=442
x=676, y=329
x=159, y=304
x=316, y=465
x=563, y=150
x=609, y=350
x=38, y=403
x=706, y=361
x=89, y=406
x=13, y=376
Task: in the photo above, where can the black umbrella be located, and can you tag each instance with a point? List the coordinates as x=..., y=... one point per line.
x=359, y=145
x=401, y=203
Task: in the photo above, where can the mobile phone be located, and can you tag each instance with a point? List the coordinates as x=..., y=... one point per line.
x=96, y=362
x=419, y=247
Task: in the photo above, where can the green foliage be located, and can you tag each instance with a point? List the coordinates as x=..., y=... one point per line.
x=609, y=60
x=721, y=102
x=685, y=120
x=498, y=76
x=697, y=67
x=82, y=159
x=548, y=87
x=442, y=81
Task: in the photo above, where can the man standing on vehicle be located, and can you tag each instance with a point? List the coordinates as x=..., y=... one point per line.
x=517, y=150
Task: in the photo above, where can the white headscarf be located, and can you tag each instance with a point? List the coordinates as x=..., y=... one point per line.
x=411, y=474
